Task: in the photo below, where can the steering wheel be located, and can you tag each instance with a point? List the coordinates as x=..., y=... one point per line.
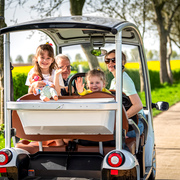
x=73, y=77
x=125, y=99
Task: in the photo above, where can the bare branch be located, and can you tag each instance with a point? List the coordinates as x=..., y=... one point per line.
x=175, y=42
x=172, y=16
x=54, y=7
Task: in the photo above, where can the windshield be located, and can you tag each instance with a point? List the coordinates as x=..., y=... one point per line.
x=79, y=62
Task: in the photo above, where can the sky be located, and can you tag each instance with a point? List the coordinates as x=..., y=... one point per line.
x=28, y=46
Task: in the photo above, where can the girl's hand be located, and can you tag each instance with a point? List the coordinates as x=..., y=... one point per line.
x=38, y=84
x=52, y=85
x=79, y=84
x=60, y=70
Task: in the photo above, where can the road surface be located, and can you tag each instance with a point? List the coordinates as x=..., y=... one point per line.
x=167, y=139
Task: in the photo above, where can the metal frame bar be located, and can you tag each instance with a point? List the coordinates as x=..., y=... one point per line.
x=118, y=42
x=7, y=113
x=55, y=106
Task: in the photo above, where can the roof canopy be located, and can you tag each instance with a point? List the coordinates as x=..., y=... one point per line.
x=101, y=23
x=76, y=29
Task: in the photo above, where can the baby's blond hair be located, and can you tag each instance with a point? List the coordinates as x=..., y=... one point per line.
x=98, y=73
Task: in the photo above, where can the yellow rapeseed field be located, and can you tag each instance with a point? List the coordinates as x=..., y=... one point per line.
x=22, y=69
x=152, y=65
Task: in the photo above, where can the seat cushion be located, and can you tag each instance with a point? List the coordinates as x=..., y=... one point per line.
x=33, y=147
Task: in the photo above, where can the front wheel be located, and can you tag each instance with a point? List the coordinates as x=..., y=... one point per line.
x=153, y=173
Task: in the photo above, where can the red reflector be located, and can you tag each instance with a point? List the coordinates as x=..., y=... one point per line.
x=3, y=158
x=3, y=170
x=31, y=172
x=114, y=172
x=114, y=160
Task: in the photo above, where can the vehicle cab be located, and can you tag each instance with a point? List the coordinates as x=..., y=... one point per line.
x=98, y=119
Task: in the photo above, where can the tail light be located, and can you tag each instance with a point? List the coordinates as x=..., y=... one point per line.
x=5, y=156
x=115, y=159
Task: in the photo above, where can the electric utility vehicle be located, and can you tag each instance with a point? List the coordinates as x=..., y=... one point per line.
x=97, y=122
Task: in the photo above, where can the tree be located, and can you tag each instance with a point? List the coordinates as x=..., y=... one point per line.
x=175, y=30
x=78, y=57
x=30, y=58
x=150, y=55
x=165, y=12
x=134, y=55
x=19, y=59
x=155, y=54
x=49, y=8
x=2, y=24
x=160, y=15
x=174, y=54
x=76, y=7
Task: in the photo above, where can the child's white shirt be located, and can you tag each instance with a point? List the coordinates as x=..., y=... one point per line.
x=47, y=77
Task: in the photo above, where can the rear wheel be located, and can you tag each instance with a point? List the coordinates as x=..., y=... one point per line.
x=153, y=173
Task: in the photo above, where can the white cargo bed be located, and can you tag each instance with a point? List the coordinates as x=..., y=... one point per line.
x=70, y=116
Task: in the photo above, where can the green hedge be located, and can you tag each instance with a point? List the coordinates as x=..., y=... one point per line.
x=176, y=75
x=20, y=89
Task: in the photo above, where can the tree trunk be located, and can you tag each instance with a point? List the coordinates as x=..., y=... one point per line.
x=163, y=34
x=2, y=24
x=163, y=54
x=141, y=77
x=168, y=61
x=144, y=29
x=76, y=7
x=92, y=60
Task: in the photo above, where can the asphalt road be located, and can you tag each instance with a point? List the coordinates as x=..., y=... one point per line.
x=167, y=139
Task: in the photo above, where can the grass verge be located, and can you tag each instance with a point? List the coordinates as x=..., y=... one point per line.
x=168, y=93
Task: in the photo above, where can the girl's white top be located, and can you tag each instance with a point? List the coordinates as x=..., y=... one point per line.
x=47, y=77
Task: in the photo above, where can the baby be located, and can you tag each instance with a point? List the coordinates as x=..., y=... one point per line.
x=96, y=81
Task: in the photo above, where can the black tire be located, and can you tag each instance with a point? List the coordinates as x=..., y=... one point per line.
x=153, y=173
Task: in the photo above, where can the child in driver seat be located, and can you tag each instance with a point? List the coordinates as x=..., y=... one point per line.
x=96, y=81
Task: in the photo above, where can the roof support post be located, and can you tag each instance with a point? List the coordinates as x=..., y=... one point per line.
x=118, y=41
x=7, y=113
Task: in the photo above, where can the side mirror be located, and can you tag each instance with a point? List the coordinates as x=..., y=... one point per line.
x=161, y=105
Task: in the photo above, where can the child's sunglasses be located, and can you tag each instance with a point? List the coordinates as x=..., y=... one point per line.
x=107, y=60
